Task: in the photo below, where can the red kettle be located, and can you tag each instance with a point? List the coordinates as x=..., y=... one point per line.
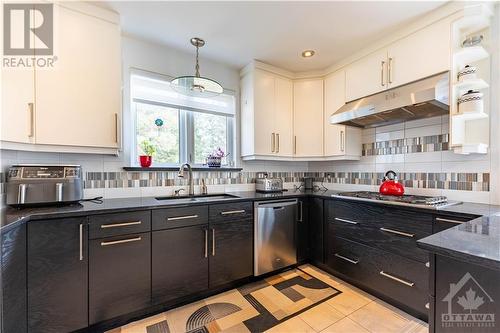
x=390, y=185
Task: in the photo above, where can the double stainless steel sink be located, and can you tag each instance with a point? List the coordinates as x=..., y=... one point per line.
x=197, y=198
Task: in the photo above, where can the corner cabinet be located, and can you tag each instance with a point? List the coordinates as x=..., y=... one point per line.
x=339, y=140
x=308, y=118
x=76, y=105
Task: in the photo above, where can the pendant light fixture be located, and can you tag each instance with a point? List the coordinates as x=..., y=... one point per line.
x=196, y=85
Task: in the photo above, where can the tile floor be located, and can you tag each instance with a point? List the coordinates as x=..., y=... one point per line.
x=351, y=311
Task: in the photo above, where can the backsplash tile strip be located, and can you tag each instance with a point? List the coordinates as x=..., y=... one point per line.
x=409, y=145
x=479, y=182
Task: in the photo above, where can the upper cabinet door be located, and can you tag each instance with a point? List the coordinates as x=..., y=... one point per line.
x=264, y=106
x=78, y=103
x=422, y=54
x=283, y=117
x=18, y=97
x=308, y=118
x=367, y=76
x=334, y=100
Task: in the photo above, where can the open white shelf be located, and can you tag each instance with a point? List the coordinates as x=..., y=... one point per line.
x=471, y=148
x=475, y=18
x=471, y=84
x=467, y=55
x=470, y=116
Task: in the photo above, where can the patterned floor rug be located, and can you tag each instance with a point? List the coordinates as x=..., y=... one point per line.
x=255, y=307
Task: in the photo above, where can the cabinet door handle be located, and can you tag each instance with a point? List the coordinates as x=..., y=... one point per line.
x=116, y=127
x=392, y=277
x=21, y=194
x=301, y=211
x=277, y=142
x=81, y=242
x=382, y=65
x=117, y=225
x=295, y=144
x=213, y=242
x=273, y=143
x=389, y=70
x=121, y=241
x=206, y=243
x=427, y=305
x=396, y=232
x=31, y=111
x=181, y=217
x=448, y=220
x=342, y=141
x=346, y=221
x=230, y=212
x=352, y=261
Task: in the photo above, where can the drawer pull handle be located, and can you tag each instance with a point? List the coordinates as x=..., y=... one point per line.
x=448, y=220
x=229, y=212
x=392, y=277
x=116, y=225
x=182, y=217
x=352, y=261
x=346, y=221
x=427, y=306
x=398, y=232
x=122, y=241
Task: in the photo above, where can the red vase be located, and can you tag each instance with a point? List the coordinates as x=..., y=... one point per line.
x=146, y=161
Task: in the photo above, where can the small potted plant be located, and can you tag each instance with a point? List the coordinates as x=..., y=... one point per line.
x=214, y=160
x=149, y=150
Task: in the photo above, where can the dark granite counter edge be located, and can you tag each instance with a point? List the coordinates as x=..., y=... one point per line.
x=459, y=255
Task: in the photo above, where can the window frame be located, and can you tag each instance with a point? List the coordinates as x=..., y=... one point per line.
x=186, y=127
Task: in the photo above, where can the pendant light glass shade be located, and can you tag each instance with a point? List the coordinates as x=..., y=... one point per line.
x=196, y=85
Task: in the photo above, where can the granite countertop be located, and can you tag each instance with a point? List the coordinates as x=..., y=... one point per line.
x=476, y=241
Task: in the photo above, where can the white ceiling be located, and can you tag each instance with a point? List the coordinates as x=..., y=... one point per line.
x=272, y=32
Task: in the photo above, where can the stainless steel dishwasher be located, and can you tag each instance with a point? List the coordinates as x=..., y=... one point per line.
x=274, y=235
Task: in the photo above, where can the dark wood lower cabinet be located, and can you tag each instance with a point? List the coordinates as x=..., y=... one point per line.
x=303, y=230
x=179, y=262
x=467, y=297
x=316, y=225
x=119, y=276
x=231, y=251
x=57, y=275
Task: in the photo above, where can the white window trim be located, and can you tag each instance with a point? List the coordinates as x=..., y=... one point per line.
x=186, y=130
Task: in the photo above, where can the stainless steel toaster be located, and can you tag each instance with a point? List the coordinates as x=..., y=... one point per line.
x=267, y=184
x=35, y=184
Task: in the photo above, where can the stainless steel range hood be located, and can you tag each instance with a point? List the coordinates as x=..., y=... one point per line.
x=421, y=99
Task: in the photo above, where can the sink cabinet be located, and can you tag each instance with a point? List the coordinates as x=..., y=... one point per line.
x=57, y=275
x=119, y=275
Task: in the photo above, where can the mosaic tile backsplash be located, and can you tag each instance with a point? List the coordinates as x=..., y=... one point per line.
x=407, y=145
x=440, y=180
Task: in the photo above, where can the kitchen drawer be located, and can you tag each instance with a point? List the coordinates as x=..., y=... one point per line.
x=354, y=229
x=397, y=231
x=354, y=211
x=179, y=217
x=230, y=212
x=443, y=222
x=401, y=279
x=351, y=259
x=109, y=225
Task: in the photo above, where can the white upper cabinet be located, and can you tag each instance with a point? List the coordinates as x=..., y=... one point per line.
x=308, y=117
x=18, y=97
x=78, y=103
x=75, y=106
x=422, y=54
x=283, y=116
x=266, y=115
x=366, y=76
x=417, y=56
x=339, y=140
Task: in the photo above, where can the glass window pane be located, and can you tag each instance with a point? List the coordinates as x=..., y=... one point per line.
x=159, y=125
x=210, y=133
